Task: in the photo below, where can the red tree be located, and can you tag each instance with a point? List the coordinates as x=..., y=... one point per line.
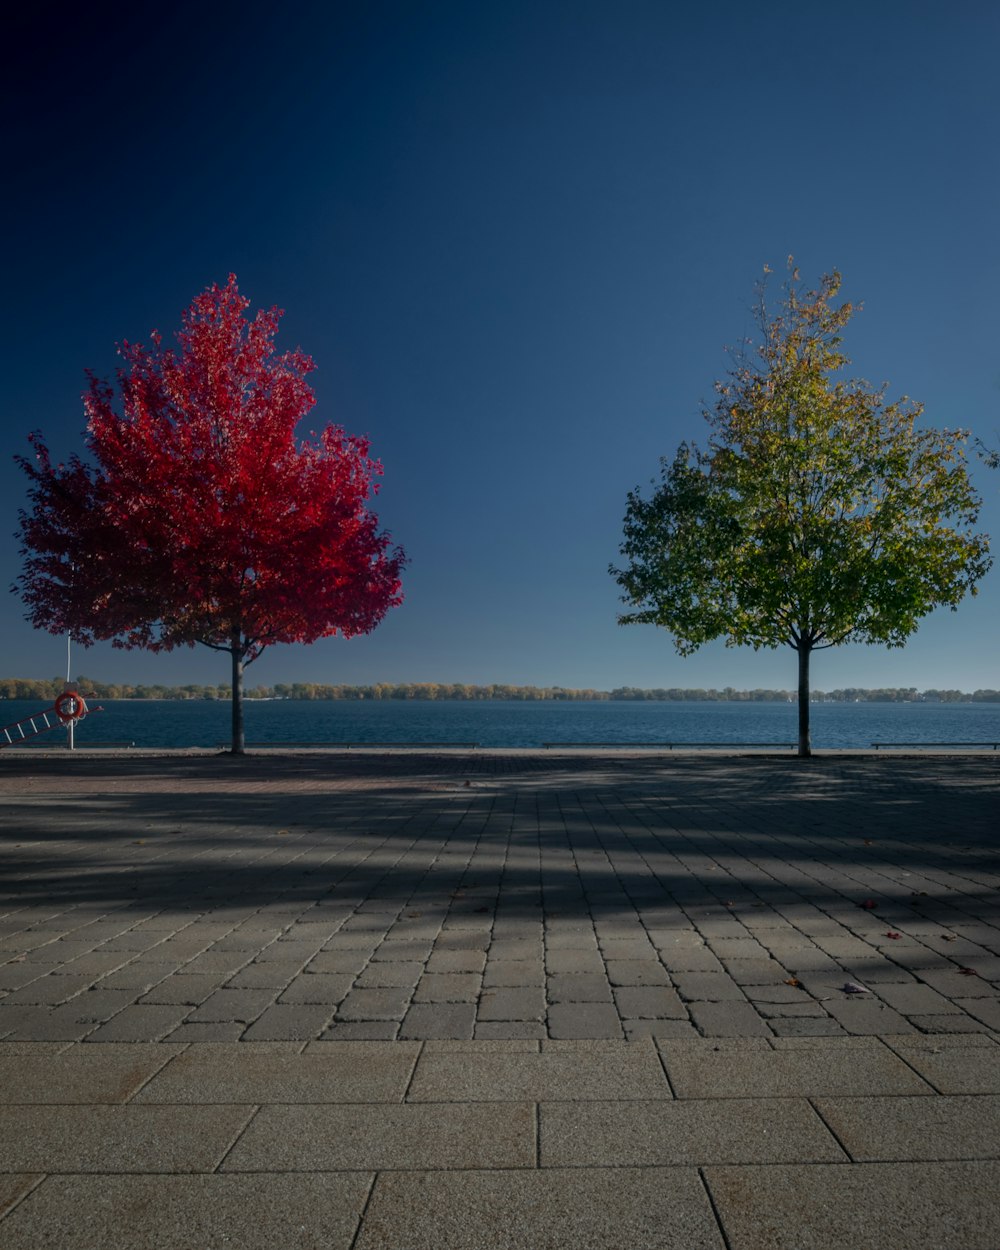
x=198, y=516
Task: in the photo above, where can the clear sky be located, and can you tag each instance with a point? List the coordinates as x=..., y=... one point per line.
x=516, y=238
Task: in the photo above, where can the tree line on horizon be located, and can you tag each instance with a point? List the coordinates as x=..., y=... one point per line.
x=41, y=689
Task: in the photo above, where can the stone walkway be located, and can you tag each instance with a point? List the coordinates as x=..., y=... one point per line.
x=383, y=1001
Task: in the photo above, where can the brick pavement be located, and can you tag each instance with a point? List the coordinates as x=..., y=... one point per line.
x=377, y=1002
x=523, y=896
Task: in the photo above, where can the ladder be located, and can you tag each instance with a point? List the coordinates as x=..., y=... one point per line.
x=29, y=727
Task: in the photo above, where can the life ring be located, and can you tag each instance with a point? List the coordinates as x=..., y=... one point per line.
x=70, y=706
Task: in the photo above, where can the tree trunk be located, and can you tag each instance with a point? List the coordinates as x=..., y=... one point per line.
x=236, y=649
x=805, y=746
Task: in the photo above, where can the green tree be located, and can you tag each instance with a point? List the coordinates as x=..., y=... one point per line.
x=818, y=514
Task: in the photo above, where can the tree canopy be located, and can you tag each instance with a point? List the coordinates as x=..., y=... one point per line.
x=198, y=516
x=818, y=514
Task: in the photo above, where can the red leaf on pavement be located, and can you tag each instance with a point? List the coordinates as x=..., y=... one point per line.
x=890, y=934
x=968, y=972
x=869, y=904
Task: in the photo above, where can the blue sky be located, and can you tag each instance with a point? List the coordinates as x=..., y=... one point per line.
x=516, y=239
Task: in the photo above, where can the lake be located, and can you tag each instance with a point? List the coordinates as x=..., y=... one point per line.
x=196, y=723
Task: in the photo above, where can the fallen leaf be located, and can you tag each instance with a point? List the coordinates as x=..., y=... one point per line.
x=793, y=981
x=948, y=937
x=893, y=935
x=18, y=959
x=730, y=903
x=968, y=972
x=140, y=842
x=869, y=842
x=282, y=833
x=852, y=987
x=414, y=915
x=869, y=904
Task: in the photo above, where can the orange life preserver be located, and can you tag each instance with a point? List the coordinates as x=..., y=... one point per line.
x=70, y=706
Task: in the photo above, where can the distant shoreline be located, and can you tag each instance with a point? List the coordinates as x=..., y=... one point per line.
x=30, y=689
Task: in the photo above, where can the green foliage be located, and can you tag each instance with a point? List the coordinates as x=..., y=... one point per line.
x=819, y=514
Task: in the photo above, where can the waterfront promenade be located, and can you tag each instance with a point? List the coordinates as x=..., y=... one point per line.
x=378, y=1000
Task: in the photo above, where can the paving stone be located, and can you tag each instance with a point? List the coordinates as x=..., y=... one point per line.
x=333, y=1072
x=295, y=1212
x=637, y=972
x=650, y=1001
x=380, y=1004
x=263, y=976
x=233, y=1004
x=727, y=1019
x=690, y=959
x=439, y=1019
x=527, y=1003
x=495, y=1030
x=140, y=1024
x=697, y=1070
x=622, y=1071
x=953, y=984
x=967, y=1064
x=455, y=940
x=320, y=988
x=866, y=1015
x=453, y=1046
x=617, y=951
x=707, y=987
x=948, y=1127
x=908, y=1206
x=635, y=1029
x=658, y=1209
x=516, y=950
x=179, y=990
x=117, y=1139
x=513, y=973
x=948, y=1024
x=804, y=1026
x=49, y=990
x=448, y=987
x=208, y=1031
x=694, y=1132
x=360, y=1030
x=450, y=960
x=397, y=952
x=290, y=1022
x=80, y=1074
x=756, y=972
x=914, y=999
x=14, y=1188
x=578, y=987
x=373, y=1138
x=584, y=1020
x=986, y=1010
x=573, y=960
x=398, y=974
x=787, y=1011
x=140, y=976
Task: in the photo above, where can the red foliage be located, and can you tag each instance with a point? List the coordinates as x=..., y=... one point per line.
x=199, y=516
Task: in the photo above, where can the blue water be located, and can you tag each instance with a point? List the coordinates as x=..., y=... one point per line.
x=169, y=723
